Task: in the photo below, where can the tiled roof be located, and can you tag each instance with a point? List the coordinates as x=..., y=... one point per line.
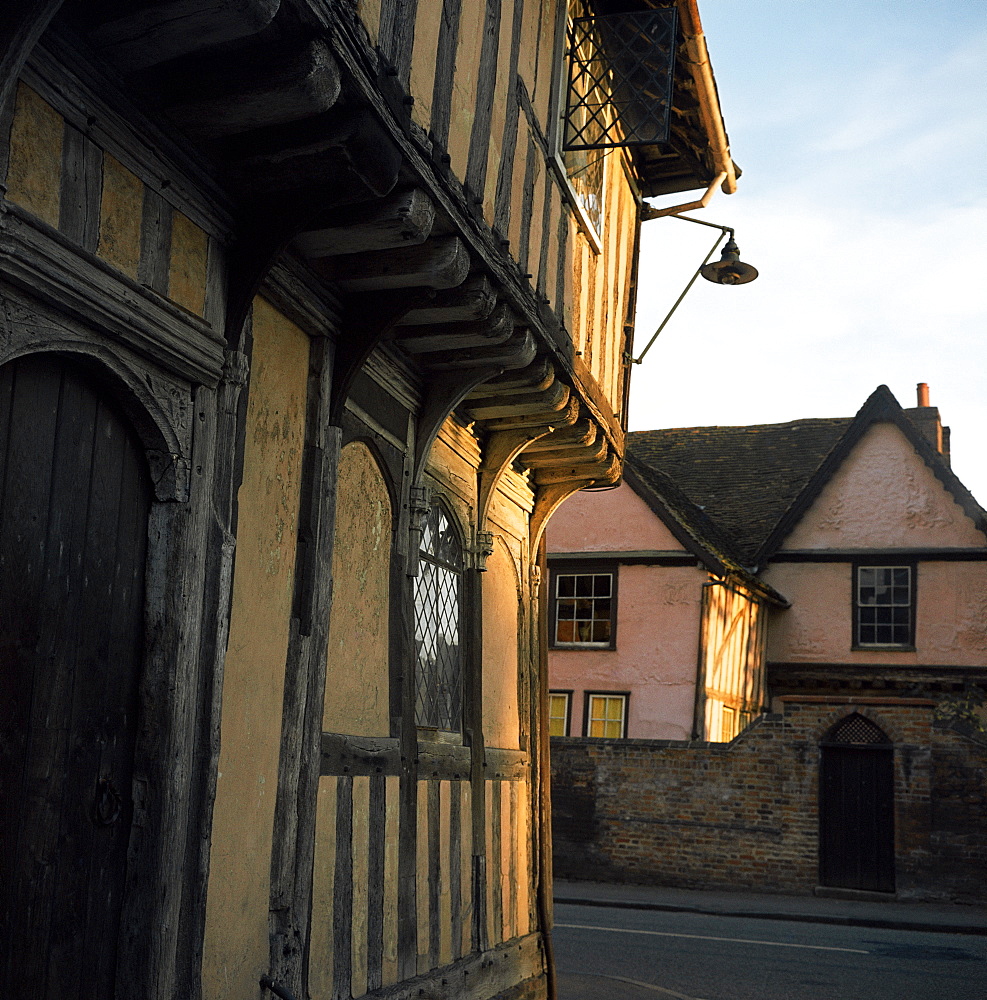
x=743, y=479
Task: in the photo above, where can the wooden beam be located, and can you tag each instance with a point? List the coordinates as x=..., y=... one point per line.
x=535, y=378
x=472, y=300
x=21, y=25
x=247, y=93
x=443, y=394
x=545, y=403
x=499, y=451
x=496, y=329
x=600, y=472
x=154, y=34
x=580, y=434
x=562, y=457
x=548, y=499
x=564, y=418
x=403, y=219
x=442, y=262
x=344, y=153
x=518, y=352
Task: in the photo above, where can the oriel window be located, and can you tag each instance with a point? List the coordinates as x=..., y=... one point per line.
x=619, y=92
x=438, y=625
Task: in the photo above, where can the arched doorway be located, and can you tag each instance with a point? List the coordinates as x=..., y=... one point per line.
x=74, y=501
x=856, y=807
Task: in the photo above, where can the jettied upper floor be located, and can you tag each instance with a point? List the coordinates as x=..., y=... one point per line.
x=405, y=162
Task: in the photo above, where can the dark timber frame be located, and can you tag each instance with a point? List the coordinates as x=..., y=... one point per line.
x=390, y=266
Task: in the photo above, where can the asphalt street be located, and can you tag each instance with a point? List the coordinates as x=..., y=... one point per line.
x=632, y=954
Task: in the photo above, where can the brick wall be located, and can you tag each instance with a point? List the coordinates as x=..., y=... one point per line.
x=744, y=815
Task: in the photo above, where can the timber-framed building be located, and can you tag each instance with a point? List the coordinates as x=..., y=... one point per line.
x=308, y=323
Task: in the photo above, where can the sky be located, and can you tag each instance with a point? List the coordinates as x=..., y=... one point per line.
x=861, y=131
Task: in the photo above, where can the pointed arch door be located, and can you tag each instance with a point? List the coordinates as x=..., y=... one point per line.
x=856, y=807
x=74, y=502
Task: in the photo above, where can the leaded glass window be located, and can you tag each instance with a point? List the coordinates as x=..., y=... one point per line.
x=883, y=606
x=621, y=71
x=438, y=627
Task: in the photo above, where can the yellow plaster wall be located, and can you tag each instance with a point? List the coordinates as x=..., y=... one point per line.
x=445, y=870
x=361, y=874
x=187, y=273
x=35, y=168
x=600, y=305
x=734, y=645
x=120, y=210
x=501, y=718
x=428, y=21
x=236, y=950
x=357, y=687
x=369, y=11
x=464, y=85
x=392, y=825
x=320, y=961
x=422, y=902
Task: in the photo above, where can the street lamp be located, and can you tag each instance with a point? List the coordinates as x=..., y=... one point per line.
x=728, y=270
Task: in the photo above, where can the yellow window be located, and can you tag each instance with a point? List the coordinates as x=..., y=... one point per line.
x=728, y=724
x=558, y=713
x=607, y=713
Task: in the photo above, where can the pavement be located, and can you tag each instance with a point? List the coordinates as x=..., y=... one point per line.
x=847, y=909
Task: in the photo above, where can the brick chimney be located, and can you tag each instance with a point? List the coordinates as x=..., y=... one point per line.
x=926, y=420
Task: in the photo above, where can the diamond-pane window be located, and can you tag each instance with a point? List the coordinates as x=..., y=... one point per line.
x=438, y=599
x=621, y=70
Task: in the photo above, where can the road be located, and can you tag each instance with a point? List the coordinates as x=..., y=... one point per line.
x=701, y=957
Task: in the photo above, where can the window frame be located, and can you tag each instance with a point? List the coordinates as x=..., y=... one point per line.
x=594, y=568
x=588, y=696
x=855, y=607
x=566, y=693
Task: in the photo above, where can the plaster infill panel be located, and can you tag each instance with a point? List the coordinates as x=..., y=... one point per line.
x=357, y=683
x=884, y=495
x=501, y=592
x=658, y=611
x=612, y=521
x=237, y=934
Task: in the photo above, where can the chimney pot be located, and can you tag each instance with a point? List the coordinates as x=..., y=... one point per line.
x=923, y=393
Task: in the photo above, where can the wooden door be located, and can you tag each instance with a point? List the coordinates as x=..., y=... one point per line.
x=74, y=503
x=856, y=808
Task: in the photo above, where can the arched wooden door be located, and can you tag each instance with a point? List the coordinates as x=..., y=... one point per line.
x=74, y=501
x=856, y=807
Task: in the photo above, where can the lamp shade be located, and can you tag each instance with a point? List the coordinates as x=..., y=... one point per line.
x=729, y=269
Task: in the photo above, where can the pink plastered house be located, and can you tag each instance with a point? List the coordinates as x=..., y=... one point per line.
x=739, y=566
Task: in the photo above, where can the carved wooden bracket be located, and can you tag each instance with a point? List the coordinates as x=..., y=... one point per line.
x=500, y=450
x=548, y=499
x=446, y=390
